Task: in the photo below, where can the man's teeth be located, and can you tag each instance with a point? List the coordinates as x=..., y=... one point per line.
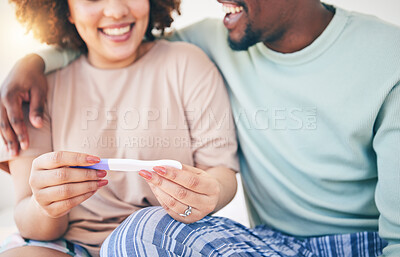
x=117, y=31
x=232, y=9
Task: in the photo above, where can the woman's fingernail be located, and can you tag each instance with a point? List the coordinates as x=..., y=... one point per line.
x=24, y=145
x=145, y=174
x=102, y=183
x=38, y=120
x=22, y=142
x=13, y=153
x=92, y=159
x=101, y=173
x=160, y=170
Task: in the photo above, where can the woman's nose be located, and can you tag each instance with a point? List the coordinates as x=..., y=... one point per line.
x=116, y=9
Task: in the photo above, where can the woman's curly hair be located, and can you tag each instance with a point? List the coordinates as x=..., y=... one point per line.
x=48, y=20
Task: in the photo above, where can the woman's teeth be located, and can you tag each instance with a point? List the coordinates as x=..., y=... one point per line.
x=117, y=31
x=232, y=9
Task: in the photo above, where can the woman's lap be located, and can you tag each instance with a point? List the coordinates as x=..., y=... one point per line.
x=15, y=244
x=151, y=232
x=33, y=251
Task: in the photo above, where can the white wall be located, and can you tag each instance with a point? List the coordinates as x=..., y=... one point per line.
x=14, y=44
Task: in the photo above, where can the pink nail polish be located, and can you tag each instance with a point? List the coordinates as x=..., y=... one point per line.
x=101, y=173
x=102, y=183
x=92, y=159
x=14, y=153
x=145, y=174
x=38, y=120
x=24, y=145
x=160, y=170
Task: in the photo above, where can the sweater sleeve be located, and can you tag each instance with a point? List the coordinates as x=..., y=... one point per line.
x=57, y=58
x=387, y=147
x=203, y=34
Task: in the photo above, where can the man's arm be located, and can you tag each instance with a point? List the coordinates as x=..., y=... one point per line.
x=206, y=34
x=27, y=83
x=387, y=147
x=56, y=58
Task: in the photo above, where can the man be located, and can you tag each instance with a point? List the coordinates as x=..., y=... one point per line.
x=315, y=92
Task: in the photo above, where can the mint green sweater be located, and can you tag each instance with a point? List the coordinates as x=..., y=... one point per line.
x=319, y=129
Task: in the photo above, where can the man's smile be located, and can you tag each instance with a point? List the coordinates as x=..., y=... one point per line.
x=233, y=13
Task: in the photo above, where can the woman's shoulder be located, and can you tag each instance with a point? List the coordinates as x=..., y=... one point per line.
x=178, y=46
x=191, y=68
x=183, y=51
x=66, y=77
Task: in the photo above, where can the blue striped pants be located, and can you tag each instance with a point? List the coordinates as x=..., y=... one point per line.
x=152, y=232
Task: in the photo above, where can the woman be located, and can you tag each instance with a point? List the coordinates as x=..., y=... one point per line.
x=130, y=96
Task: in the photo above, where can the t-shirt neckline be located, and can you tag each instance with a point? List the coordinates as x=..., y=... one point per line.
x=153, y=49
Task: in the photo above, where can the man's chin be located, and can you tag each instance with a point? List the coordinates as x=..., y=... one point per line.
x=242, y=45
x=245, y=42
x=236, y=46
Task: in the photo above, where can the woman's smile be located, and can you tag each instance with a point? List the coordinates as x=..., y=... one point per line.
x=112, y=30
x=117, y=33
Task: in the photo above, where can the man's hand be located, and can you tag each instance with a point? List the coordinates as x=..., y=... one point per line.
x=25, y=83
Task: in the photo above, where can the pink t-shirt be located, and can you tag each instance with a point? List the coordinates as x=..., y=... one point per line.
x=170, y=104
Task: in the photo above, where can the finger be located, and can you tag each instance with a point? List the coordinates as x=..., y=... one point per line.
x=189, y=177
x=179, y=209
x=13, y=106
x=58, y=193
x=8, y=134
x=55, y=160
x=4, y=141
x=61, y=208
x=176, y=191
x=168, y=202
x=64, y=175
x=36, y=106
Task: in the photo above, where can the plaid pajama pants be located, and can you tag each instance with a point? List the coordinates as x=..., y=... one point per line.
x=152, y=232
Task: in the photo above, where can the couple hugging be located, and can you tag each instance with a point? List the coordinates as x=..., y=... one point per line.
x=314, y=92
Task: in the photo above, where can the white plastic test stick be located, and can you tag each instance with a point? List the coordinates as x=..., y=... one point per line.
x=131, y=165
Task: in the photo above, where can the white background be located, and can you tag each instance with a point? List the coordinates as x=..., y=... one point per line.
x=14, y=44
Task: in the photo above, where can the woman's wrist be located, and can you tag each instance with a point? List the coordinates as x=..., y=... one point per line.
x=227, y=185
x=38, y=225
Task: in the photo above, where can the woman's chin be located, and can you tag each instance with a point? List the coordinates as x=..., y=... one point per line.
x=113, y=61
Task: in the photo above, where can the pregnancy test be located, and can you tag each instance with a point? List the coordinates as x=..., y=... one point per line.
x=131, y=165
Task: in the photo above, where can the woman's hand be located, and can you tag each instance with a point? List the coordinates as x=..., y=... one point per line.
x=57, y=188
x=176, y=190
x=25, y=83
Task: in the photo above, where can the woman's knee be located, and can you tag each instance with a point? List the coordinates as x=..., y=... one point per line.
x=145, y=219
x=138, y=229
x=152, y=232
